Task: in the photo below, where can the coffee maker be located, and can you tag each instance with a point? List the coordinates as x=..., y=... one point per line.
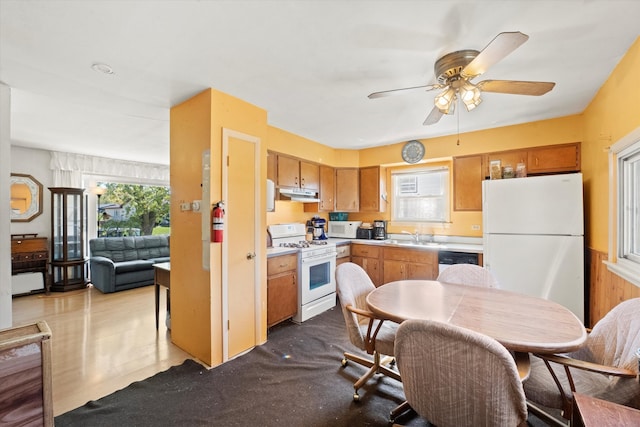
x=379, y=229
x=319, y=228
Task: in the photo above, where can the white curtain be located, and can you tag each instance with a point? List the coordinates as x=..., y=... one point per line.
x=68, y=170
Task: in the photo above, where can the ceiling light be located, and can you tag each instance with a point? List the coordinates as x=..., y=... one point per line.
x=470, y=95
x=102, y=68
x=444, y=101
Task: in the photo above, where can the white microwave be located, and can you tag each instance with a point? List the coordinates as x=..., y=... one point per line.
x=343, y=229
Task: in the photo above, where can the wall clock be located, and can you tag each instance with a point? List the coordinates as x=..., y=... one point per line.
x=413, y=151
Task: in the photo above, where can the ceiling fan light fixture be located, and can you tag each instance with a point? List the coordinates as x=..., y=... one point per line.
x=444, y=101
x=470, y=95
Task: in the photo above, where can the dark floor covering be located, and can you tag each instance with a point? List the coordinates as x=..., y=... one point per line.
x=295, y=379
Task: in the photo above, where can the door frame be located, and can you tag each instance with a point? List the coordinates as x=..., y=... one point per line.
x=226, y=135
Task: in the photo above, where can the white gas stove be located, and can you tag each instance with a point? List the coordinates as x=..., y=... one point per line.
x=316, y=269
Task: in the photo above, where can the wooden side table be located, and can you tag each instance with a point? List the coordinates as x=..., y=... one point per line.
x=162, y=277
x=25, y=375
x=591, y=412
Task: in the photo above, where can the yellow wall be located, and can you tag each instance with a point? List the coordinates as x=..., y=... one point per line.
x=190, y=135
x=439, y=151
x=613, y=113
x=196, y=304
x=196, y=125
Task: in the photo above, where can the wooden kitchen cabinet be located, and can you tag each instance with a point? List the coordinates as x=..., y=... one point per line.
x=511, y=158
x=368, y=257
x=282, y=288
x=272, y=166
x=347, y=185
x=554, y=158
x=467, y=183
x=326, y=192
x=295, y=173
x=409, y=264
x=372, y=188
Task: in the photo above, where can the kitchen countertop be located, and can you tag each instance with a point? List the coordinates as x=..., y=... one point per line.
x=464, y=244
x=452, y=246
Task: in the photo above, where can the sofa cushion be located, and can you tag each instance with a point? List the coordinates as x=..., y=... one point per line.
x=149, y=247
x=137, y=265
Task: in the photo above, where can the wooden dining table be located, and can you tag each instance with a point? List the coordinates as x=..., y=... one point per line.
x=521, y=323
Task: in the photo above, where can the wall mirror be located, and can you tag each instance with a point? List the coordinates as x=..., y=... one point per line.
x=26, y=197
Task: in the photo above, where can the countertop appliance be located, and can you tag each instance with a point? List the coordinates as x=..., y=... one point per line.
x=365, y=233
x=319, y=228
x=379, y=229
x=316, y=269
x=534, y=237
x=448, y=258
x=343, y=229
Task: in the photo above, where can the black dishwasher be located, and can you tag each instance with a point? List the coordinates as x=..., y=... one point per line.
x=447, y=258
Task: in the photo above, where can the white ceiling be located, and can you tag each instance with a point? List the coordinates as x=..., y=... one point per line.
x=309, y=64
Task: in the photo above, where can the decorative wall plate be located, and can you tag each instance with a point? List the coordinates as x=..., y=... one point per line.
x=413, y=151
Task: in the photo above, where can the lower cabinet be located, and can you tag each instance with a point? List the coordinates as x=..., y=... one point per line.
x=408, y=264
x=282, y=288
x=368, y=257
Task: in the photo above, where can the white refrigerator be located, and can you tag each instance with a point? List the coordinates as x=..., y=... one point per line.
x=533, y=239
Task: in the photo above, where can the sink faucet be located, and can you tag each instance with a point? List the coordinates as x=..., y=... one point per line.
x=415, y=235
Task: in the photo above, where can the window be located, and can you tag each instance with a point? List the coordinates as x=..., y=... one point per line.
x=629, y=203
x=420, y=195
x=626, y=261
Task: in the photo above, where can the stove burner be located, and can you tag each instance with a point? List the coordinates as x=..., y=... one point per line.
x=303, y=244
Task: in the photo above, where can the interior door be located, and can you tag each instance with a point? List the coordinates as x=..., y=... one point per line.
x=241, y=217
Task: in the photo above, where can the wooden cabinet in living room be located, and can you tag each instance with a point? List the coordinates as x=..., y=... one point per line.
x=409, y=264
x=372, y=188
x=467, y=183
x=347, y=185
x=368, y=257
x=295, y=173
x=69, y=265
x=554, y=158
x=282, y=288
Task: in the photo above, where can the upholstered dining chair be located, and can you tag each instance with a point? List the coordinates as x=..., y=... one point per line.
x=468, y=274
x=453, y=376
x=606, y=367
x=374, y=336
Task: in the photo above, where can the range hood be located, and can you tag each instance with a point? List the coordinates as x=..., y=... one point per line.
x=298, y=195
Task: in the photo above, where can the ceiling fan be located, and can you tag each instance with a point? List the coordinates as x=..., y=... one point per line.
x=454, y=72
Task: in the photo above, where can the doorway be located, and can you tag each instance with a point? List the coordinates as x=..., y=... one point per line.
x=241, y=250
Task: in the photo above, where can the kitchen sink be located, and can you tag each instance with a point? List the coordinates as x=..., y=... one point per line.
x=414, y=244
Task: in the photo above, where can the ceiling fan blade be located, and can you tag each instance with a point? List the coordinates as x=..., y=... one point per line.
x=516, y=87
x=501, y=46
x=403, y=90
x=433, y=117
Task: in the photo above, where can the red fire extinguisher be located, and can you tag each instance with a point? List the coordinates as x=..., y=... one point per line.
x=217, y=222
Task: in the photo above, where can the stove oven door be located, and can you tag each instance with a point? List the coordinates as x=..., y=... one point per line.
x=317, y=277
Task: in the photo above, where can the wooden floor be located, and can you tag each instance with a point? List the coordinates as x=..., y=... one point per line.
x=101, y=342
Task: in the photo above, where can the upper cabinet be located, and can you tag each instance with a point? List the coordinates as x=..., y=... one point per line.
x=347, y=199
x=467, y=183
x=372, y=189
x=294, y=173
x=556, y=158
x=539, y=160
x=272, y=166
x=507, y=158
x=327, y=189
